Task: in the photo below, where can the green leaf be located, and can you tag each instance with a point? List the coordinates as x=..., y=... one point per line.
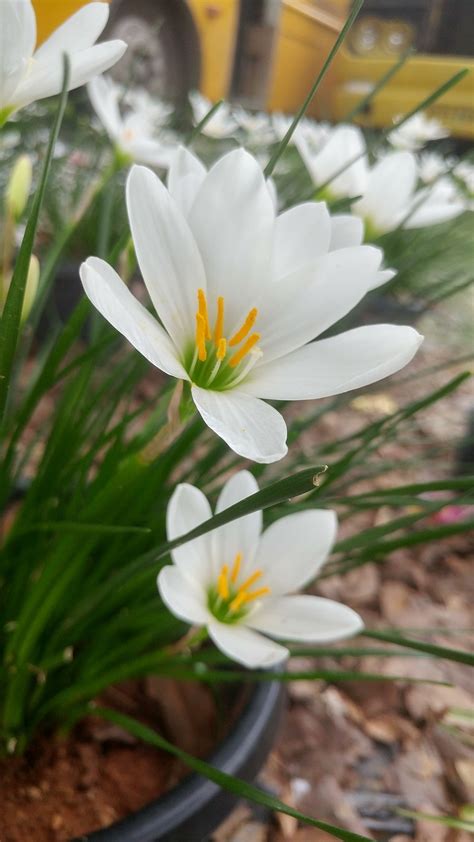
x=459, y=655
x=278, y=492
x=340, y=38
x=11, y=318
x=447, y=821
x=228, y=782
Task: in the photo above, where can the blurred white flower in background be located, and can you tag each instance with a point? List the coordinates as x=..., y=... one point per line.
x=241, y=293
x=135, y=132
x=257, y=125
x=222, y=124
x=431, y=165
x=465, y=172
x=315, y=134
x=27, y=75
x=391, y=198
x=416, y=132
x=342, y=161
x=240, y=583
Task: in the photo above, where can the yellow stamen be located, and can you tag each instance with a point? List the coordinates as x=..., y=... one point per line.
x=243, y=351
x=236, y=568
x=245, y=329
x=221, y=349
x=249, y=597
x=251, y=580
x=201, y=337
x=223, y=583
x=219, y=326
x=238, y=601
x=202, y=309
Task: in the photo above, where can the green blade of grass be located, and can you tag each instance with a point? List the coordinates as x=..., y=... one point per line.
x=459, y=655
x=202, y=123
x=228, y=782
x=366, y=100
x=10, y=323
x=340, y=38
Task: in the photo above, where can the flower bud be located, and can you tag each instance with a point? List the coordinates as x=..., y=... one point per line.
x=31, y=289
x=18, y=187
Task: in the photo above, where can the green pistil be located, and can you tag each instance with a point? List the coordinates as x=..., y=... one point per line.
x=220, y=608
x=201, y=373
x=5, y=113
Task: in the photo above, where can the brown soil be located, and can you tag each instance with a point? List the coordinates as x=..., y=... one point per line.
x=67, y=786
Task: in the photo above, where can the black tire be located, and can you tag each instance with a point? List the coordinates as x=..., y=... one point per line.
x=163, y=46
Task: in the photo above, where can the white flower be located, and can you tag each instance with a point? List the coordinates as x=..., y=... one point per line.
x=391, y=197
x=465, y=171
x=341, y=161
x=240, y=292
x=134, y=134
x=240, y=584
x=431, y=165
x=221, y=124
x=257, y=125
x=315, y=134
x=27, y=74
x=417, y=131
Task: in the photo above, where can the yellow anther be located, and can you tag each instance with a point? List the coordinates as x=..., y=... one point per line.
x=244, y=350
x=223, y=583
x=201, y=337
x=251, y=580
x=202, y=309
x=245, y=329
x=238, y=601
x=236, y=568
x=219, y=326
x=249, y=597
x=221, y=349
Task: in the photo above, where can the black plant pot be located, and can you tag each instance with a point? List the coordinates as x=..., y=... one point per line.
x=193, y=809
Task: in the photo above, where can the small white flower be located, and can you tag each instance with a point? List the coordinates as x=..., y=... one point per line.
x=315, y=134
x=134, y=134
x=416, y=132
x=391, y=197
x=241, y=293
x=221, y=124
x=27, y=74
x=431, y=165
x=257, y=125
x=240, y=583
x=341, y=161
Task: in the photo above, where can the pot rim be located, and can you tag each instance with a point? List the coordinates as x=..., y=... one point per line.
x=197, y=804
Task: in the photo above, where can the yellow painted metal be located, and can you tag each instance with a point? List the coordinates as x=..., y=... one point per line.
x=217, y=25
x=51, y=13
x=419, y=77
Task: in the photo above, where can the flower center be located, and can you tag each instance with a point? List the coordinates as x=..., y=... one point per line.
x=227, y=599
x=215, y=361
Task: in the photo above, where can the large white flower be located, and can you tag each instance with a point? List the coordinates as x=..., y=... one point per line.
x=27, y=74
x=134, y=134
x=241, y=584
x=416, y=132
x=221, y=124
x=240, y=293
x=391, y=197
x=341, y=161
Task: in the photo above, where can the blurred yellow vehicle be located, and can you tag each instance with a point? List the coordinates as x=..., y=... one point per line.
x=266, y=53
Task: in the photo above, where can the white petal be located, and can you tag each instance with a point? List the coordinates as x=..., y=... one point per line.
x=17, y=42
x=390, y=187
x=167, y=253
x=185, y=177
x=301, y=236
x=156, y=153
x=239, y=536
x=293, y=549
x=182, y=599
x=232, y=219
x=117, y=304
x=251, y=428
x=311, y=619
x=433, y=213
x=104, y=96
x=78, y=32
x=341, y=159
x=304, y=305
x=336, y=365
x=383, y=277
x=188, y=508
x=246, y=646
x=346, y=230
x=46, y=76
